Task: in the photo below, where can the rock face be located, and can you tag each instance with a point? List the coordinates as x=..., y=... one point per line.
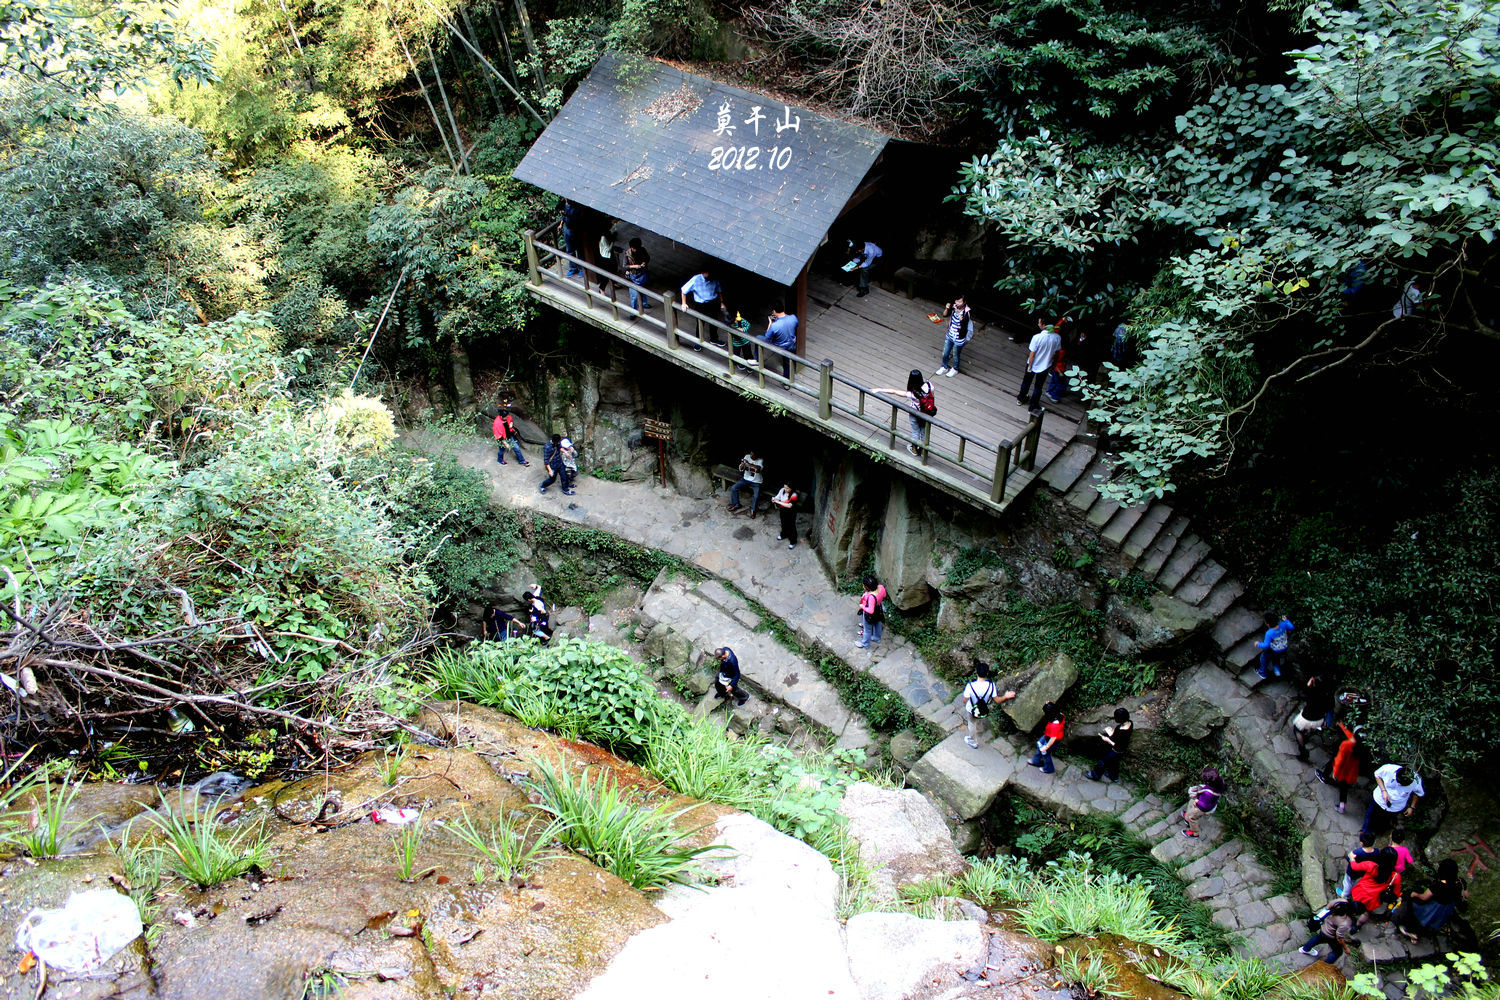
x=841, y=527
x=1166, y=623
x=1046, y=681
x=966, y=779
x=896, y=956
x=1206, y=698
x=905, y=550
x=768, y=929
x=901, y=837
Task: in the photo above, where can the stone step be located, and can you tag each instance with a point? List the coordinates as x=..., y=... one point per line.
x=726, y=600
x=1069, y=466
x=1134, y=817
x=1224, y=593
x=1190, y=552
x=1214, y=862
x=1195, y=588
x=1244, y=655
x=1145, y=531
x=1166, y=826
x=1235, y=625
x=1084, y=492
x=1266, y=941
x=1177, y=849
x=1162, y=548
x=1100, y=512
x=1124, y=521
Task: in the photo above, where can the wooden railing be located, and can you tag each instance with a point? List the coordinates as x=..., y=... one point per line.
x=662, y=319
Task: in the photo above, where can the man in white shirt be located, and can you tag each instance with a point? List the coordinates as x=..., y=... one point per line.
x=1407, y=304
x=980, y=695
x=701, y=292
x=1043, y=349
x=752, y=474
x=1397, y=790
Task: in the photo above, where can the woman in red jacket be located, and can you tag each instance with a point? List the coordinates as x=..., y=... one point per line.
x=1375, y=878
x=1344, y=771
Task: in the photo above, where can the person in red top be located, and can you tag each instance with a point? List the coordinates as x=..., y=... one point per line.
x=1051, y=733
x=504, y=428
x=1343, y=773
x=1375, y=878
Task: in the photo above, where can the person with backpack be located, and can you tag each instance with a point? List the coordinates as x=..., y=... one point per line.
x=1117, y=739
x=1204, y=799
x=920, y=397
x=504, y=429
x=553, y=459
x=1273, y=645
x=727, y=680
x=1052, y=732
x=1332, y=926
x=871, y=612
x=1378, y=886
x=979, y=695
x=785, y=501
x=960, y=332
x=538, y=617
x=1043, y=349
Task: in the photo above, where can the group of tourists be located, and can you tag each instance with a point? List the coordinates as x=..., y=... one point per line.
x=559, y=456
x=534, y=620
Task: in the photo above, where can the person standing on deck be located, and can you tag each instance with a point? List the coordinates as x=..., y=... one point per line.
x=571, y=217
x=781, y=331
x=960, y=332
x=919, y=396
x=636, y=262
x=864, y=255
x=699, y=293
x=1045, y=344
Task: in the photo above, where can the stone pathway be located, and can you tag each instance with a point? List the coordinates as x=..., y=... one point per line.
x=792, y=586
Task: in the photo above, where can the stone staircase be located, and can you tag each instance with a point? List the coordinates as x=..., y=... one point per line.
x=1156, y=542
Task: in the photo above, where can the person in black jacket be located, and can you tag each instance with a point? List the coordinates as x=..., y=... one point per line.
x=727, y=682
x=553, y=458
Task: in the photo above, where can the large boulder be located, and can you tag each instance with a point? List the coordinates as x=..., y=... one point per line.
x=843, y=526
x=966, y=779
x=897, y=956
x=766, y=926
x=905, y=549
x=1207, y=696
x=1168, y=622
x=901, y=836
x=1046, y=680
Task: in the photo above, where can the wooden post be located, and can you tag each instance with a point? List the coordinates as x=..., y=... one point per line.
x=1033, y=441
x=669, y=316
x=729, y=357
x=533, y=272
x=926, y=439
x=825, y=390
x=614, y=305
x=799, y=309
x=894, y=414
x=1002, y=472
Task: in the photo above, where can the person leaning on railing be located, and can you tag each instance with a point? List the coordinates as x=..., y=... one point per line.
x=781, y=331
x=636, y=261
x=700, y=292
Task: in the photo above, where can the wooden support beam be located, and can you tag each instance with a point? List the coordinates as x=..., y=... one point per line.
x=798, y=307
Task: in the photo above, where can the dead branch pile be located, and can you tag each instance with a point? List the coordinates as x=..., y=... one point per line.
x=68, y=676
x=896, y=62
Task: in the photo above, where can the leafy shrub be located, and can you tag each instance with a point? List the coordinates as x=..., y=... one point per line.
x=640, y=845
x=505, y=851
x=594, y=691
x=454, y=526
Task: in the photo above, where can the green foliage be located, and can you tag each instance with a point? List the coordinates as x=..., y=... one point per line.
x=70, y=53
x=454, y=527
x=970, y=561
x=583, y=548
x=639, y=844
x=1407, y=611
x=593, y=691
x=141, y=867
x=881, y=707
x=1075, y=64
x=1462, y=976
x=672, y=28
x=407, y=844
x=199, y=850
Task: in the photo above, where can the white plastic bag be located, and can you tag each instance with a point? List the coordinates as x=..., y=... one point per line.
x=394, y=816
x=84, y=933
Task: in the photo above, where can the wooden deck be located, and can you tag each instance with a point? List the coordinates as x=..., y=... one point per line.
x=982, y=446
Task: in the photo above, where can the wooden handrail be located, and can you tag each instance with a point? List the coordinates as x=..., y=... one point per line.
x=1010, y=456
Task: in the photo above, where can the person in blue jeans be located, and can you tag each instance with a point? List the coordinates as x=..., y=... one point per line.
x=871, y=613
x=1051, y=734
x=636, y=260
x=781, y=330
x=570, y=220
x=1273, y=646
x=960, y=332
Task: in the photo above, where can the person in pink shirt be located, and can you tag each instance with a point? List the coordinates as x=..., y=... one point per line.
x=1403, y=854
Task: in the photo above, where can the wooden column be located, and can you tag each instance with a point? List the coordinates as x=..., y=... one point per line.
x=798, y=306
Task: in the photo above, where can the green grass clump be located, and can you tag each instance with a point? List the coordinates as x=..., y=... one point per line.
x=41, y=831
x=201, y=851
x=505, y=851
x=639, y=844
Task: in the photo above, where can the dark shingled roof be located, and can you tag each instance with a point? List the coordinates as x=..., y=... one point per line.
x=640, y=141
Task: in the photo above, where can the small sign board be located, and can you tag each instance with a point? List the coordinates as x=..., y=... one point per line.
x=660, y=430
